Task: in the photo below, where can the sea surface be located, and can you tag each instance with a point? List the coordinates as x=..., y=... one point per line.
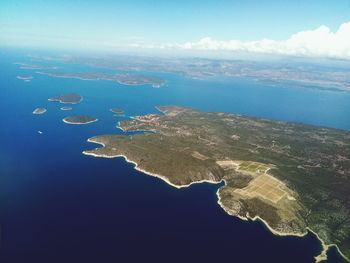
x=58, y=205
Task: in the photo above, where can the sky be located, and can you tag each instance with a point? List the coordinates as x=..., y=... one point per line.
x=302, y=28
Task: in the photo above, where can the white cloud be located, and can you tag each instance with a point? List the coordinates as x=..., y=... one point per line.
x=321, y=42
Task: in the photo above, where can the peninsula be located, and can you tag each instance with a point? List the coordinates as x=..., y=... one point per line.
x=79, y=119
x=292, y=177
x=70, y=98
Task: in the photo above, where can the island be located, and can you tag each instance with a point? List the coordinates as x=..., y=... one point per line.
x=294, y=178
x=117, y=111
x=124, y=79
x=82, y=119
x=66, y=108
x=70, y=98
x=24, y=78
x=39, y=111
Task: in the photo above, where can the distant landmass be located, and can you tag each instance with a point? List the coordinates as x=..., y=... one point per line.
x=33, y=66
x=79, y=119
x=293, y=177
x=69, y=98
x=328, y=75
x=125, y=79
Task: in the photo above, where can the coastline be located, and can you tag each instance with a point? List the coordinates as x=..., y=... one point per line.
x=319, y=258
x=325, y=247
x=165, y=179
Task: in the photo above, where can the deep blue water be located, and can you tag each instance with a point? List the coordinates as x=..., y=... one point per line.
x=58, y=205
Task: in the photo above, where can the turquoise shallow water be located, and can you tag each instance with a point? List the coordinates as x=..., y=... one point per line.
x=61, y=206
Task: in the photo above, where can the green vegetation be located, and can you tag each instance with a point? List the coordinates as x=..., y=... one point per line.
x=70, y=98
x=39, y=111
x=79, y=119
x=117, y=112
x=290, y=175
x=124, y=79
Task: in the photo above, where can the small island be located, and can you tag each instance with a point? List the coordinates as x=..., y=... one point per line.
x=24, y=78
x=82, y=119
x=117, y=111
x=38, y=111
x=69, y=98
x=33, y=66
x=66, y=108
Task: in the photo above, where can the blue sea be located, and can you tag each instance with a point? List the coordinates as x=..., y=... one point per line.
x=58, y=205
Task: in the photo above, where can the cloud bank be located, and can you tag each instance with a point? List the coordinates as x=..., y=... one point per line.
x=321, y=42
